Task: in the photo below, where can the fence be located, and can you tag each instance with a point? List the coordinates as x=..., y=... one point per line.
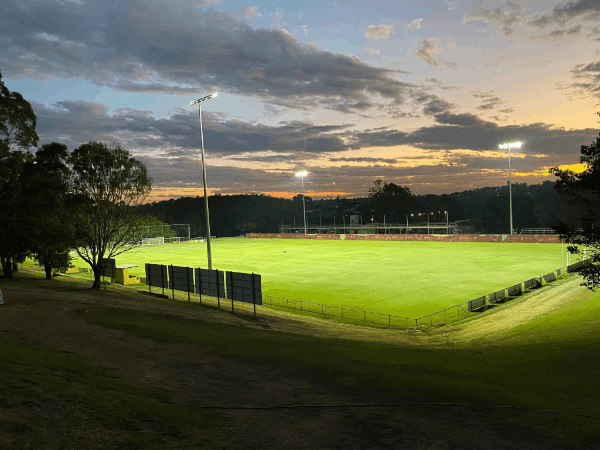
x=443, y=316
x=157, y=276
x=533, y=238
x=337, y=311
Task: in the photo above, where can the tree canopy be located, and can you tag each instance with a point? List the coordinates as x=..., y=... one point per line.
x=45, y=191
x=390, y=199
x=584, y=192
x=106, y=187
x=17, y=120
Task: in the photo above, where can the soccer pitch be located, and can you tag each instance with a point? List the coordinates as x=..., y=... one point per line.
x=404, y=278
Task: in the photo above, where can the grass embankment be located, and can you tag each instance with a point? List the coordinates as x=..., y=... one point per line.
x=549, y=363
x=408, y=279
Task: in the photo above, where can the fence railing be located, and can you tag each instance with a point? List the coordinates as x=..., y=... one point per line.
x=443, y=316
x=338, y=311
x=538, y=231
x=446, y=315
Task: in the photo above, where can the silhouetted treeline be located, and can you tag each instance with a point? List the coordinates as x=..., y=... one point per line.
x=534, y=206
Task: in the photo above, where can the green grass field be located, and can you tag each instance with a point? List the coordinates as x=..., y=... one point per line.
x=409, y=279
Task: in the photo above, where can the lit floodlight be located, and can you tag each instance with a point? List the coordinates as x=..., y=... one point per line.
x=206, y=214
x=208, y=97
x=510, y=145
x=302, y=174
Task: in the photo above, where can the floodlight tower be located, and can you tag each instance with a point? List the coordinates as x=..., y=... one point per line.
x=508, y=146
x=199, y=101
x=302, y=174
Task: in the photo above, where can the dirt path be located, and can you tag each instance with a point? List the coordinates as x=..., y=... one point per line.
x=189, y=374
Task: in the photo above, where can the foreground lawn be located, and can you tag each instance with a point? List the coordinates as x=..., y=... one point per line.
x=549, y=363
x=408, y=279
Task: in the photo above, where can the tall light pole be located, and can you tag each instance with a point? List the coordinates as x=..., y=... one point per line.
x=508, y=146
x=302, y=174
x=199, y=101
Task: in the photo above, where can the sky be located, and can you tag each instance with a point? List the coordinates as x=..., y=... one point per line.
x=420, y=93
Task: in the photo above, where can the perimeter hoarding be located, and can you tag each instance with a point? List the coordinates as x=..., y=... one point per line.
x=110, y=269
x=210, y=283
x=244, y=287
x=181, y=279
x=156, y=275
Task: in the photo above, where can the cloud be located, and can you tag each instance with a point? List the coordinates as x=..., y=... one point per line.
x=587, y=81
x=509, y=17
x=140, y=130
x=152, y=47
x=594, y=34
x=372, y=51
x=575, y=30
x=430, y=47
x=451, y=45
x=588, y=10
x=304, y=30
x=277, y=18
x=414, y=25
x=364, y=160
x=452, y=4
x=249, y=12
x=170, y=146
x=513, y=16
x=490, y=100
x=378, y=32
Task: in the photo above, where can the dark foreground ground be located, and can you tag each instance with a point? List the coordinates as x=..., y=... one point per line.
x=118, y=369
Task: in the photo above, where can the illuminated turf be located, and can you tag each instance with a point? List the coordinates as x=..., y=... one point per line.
x=394, y=277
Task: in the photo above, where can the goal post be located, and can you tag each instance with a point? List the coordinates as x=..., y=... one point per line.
x=153, y=241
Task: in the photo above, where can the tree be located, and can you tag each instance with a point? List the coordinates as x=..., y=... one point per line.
x=46, y=188
x=584, y=191
x=17, y=120
x=107, y=186
x=14, y=236
x=390, y=199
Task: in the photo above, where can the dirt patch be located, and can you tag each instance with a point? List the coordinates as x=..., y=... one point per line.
x=54, y=314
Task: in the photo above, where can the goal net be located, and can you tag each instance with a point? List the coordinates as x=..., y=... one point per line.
x=153, y=241
x=174, y=240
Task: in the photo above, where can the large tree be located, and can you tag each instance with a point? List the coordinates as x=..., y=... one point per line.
x=17, y=120
x=14, y=236
x=46, y=181
x=107, y=185
x=390, y=199
x=584, y=192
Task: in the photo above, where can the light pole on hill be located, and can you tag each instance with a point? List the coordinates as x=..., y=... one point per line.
x=302, y=174
x=199, y=101
x=508, y=146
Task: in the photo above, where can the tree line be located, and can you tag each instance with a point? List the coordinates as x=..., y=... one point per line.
x=54, y=202
x=487, y=209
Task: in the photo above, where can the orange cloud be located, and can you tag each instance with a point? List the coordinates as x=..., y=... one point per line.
x=325, y=194
x=545, y=172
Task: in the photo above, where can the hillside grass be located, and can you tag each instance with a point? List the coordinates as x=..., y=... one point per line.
x=549, y=363
x=408, y=279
